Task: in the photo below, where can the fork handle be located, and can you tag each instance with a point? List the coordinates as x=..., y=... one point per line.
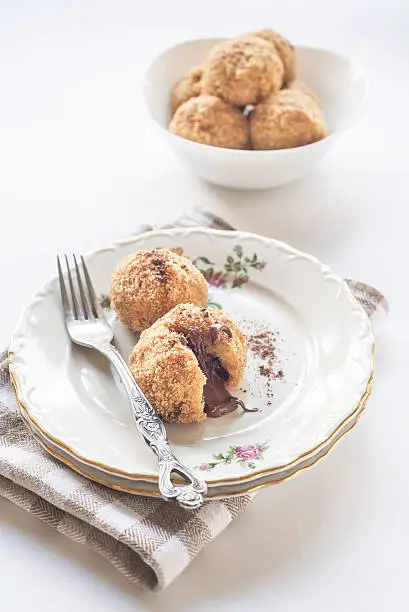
x=153, y=431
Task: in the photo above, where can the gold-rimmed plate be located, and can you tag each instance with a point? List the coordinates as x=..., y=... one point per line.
x=323, y=364
x=140, y=487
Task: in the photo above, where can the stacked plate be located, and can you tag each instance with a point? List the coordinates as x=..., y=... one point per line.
x=309, y=370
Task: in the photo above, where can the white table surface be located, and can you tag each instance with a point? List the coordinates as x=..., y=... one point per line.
x=80, y=165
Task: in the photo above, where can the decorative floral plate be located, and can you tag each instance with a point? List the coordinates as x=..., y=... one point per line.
x=141, y=487
x=309, y=368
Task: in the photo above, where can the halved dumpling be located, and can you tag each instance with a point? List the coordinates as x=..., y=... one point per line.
x=187, y=361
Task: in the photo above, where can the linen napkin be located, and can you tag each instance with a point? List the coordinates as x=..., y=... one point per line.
x=149, y=540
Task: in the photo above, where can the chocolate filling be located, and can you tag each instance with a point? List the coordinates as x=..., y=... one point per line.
x=218, y=400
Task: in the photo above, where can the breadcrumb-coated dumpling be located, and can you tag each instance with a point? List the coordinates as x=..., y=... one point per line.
x=189, y=86
x=167, y=363
x=284, y=49
x=243, y=71
x=149, y=283
x=290, y=118
x=209, y=120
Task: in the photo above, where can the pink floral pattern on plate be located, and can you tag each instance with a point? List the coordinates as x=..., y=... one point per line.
x=244, y=455
x=235, y=272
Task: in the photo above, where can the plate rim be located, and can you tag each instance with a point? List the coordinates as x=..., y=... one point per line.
x=217, y=495
x=19, y=330
x=226, y=481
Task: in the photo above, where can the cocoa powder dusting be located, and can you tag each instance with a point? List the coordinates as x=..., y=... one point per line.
x=263, y=345
x=159, y=266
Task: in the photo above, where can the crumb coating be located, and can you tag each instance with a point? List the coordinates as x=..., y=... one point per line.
x=189, y=86
x=284, y=49
x=149, y=283
x=167, y=369
x=209, y=120
x=290, y=118
x=243, y=71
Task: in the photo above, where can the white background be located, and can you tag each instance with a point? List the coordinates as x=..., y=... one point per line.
x=80, y=165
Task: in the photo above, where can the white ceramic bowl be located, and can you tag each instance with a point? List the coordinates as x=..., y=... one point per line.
x=342, y=88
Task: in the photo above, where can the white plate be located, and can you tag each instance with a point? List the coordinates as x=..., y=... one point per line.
x=140, y=487
x=326, y=348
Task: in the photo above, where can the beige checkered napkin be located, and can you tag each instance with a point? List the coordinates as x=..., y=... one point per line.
x=150, y=541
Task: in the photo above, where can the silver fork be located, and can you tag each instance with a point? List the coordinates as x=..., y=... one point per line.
x=87, y=326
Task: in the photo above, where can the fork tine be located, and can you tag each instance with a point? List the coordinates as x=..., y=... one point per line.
x=74, y=300
x=95, y=305
x=84, y=303
x=64, y=296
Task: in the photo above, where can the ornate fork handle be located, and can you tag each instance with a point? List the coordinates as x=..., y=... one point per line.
x=151, y=427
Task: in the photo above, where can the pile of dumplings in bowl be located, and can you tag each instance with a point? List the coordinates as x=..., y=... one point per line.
x=246, y=96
